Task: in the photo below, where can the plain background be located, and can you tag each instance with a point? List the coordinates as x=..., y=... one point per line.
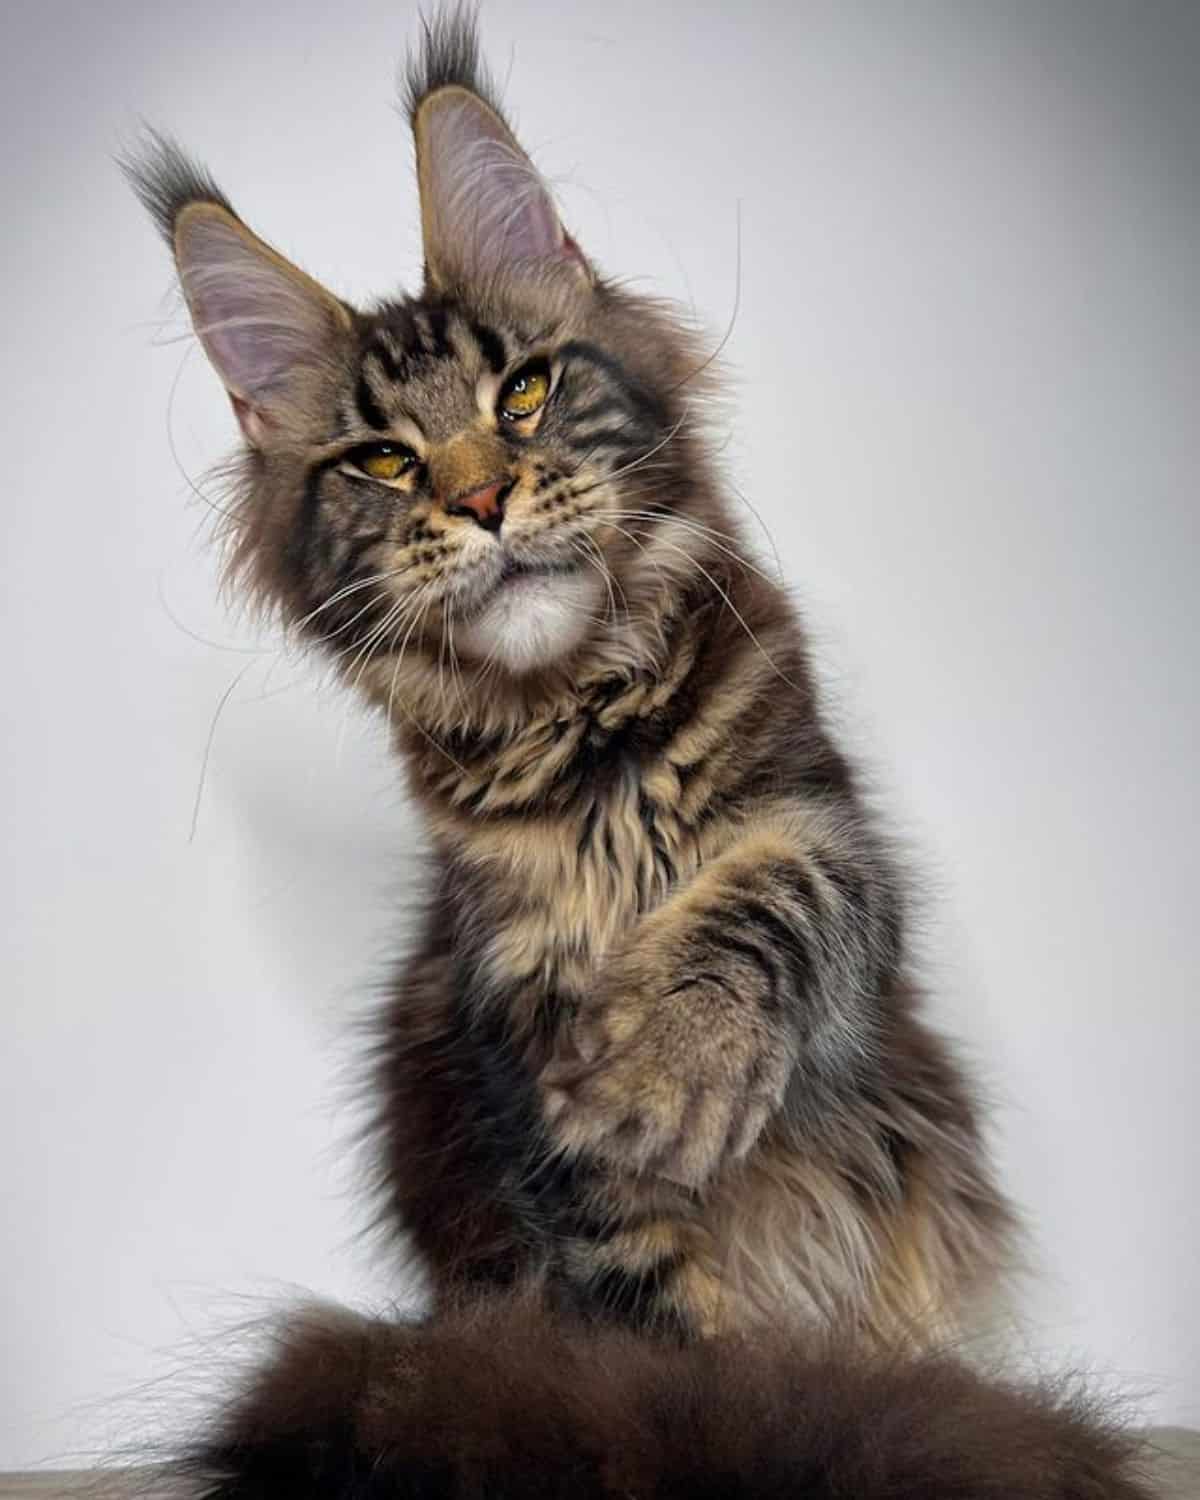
x=963, y=378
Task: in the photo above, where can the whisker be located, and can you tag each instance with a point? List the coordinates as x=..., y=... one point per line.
x=229, y=516
x=160, y=589
x=634, y=463
x=610, y=578
x=441, y=666
x=576, y=545
x=766, y=530
x=394, y=618
x=733, y=316
x=735, y=312
x=455, y=671
x=709, y=533
x=351, y=588
x=400, y=654
x=208, y=745
x=361, y=643
x=737, y=614
x=408, y=714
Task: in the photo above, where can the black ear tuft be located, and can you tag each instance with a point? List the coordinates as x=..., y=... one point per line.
x=166, y=180
x=448, y=55
x=484, y=206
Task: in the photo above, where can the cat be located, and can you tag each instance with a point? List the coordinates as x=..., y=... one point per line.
x=653, y=1084
x=658, y=1031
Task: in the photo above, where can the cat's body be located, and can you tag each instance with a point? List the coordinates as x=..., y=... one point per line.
x=656, y=1057
x=682, y=822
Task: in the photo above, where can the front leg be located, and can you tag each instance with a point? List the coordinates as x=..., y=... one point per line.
x=755, y=982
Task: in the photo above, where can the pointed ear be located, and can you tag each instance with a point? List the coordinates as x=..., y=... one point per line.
x=484, y=206
x=261, y=320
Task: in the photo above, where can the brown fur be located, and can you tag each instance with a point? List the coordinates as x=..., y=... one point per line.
x=656, y=1063
x=657, y=1051
x=496, y=1402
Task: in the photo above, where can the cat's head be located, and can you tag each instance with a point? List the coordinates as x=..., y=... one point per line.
x=501, y=465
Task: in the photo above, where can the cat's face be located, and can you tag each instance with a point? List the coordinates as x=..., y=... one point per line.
x=474, y=489
x=494, y=472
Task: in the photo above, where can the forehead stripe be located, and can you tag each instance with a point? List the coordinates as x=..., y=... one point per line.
x=435, y=319
x=368, y=408
x=491, y=346
x=394, y=366
x=301, y=540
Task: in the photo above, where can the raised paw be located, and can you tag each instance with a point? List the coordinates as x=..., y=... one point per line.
x=673, y=1084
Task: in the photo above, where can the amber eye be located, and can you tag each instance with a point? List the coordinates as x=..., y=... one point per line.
x=526, y=392
x=384, y=461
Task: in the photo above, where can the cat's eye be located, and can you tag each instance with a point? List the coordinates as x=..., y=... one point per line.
x=385, y=461
x=525, y=393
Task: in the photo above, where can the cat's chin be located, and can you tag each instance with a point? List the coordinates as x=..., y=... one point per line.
x=532, y=620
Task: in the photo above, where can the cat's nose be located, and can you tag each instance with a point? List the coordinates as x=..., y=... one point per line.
x=484, y=506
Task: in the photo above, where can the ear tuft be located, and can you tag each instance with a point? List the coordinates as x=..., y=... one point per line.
x=166, y=179
x=484, y=205
x=448, y=56
x=262, y=321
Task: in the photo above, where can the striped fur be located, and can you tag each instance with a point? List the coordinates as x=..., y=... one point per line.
x=657, y=1052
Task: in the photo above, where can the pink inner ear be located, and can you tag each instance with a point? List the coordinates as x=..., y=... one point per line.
x=258, y=321
x=255, y=424
x=487, y=205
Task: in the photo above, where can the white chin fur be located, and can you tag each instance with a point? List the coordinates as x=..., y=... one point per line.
x=532, y=620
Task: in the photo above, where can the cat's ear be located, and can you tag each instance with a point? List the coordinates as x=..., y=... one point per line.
x=262, y=321
x=484, y=205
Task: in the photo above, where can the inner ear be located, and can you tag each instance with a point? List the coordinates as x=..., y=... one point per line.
x=262, y=321
x=484, y=205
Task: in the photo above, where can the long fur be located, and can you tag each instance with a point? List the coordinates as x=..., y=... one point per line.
x=166, y=179
x=448, y=57
x=656, y=1061
x=495, y=1402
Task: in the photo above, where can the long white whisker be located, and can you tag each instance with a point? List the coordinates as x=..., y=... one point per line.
x=733, y=316
x=455, y=671
x=766, y=530
x=394, y=617
x=408, y=714
x=697, y=529
x=160, y=589
x=175, y=458
x=589, y=549
x=737, y=614
x=350, y=588
x=635, y=463
x=576, y=545
x=208, y=745
x=400, y=655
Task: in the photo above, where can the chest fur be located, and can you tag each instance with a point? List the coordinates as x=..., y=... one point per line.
x=555, y=892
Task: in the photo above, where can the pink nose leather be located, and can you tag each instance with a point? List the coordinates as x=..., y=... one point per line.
x=485, y=506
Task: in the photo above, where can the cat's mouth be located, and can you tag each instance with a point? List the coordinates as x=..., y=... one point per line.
x=514, y=567
x=527, y=611
x=511, y=576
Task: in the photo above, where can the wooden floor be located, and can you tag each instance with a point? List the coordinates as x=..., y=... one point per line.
x=1177, y=1464
x=1174, y=1463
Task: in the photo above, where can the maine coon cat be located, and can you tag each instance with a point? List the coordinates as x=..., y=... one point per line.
x=655, y=1065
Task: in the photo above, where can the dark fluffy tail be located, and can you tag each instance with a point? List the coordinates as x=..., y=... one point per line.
x=500, y=1401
